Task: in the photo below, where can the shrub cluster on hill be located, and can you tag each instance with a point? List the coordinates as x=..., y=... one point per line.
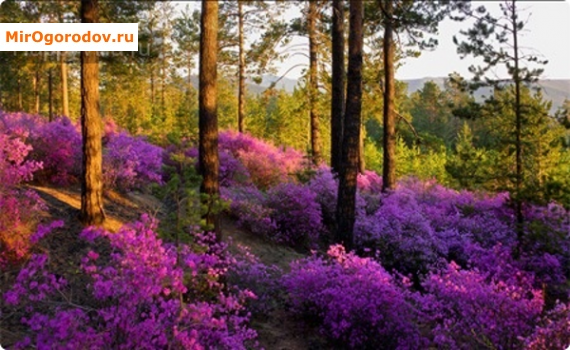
x=432, y=268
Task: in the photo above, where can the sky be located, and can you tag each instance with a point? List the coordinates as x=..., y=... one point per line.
x=547, y=32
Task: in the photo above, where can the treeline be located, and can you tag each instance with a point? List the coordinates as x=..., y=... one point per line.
x=510, y=142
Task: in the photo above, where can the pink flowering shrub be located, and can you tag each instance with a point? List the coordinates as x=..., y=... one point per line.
x=553, y=331
x=58, y=146
x=296, y=214
x=288, y=213
x=248, y=271
x=325, y=186
x=143, y=294
x=266, y=164
x=247, y=206
x=131, y=162
x=356, y=302
x=471, y=309
x=19, y=206
x=231, y=172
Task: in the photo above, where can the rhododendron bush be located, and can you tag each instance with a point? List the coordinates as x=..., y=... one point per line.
x=143, y=294
x=356, y=301
x=18, y=206
x=432, y=267
x=128, y=162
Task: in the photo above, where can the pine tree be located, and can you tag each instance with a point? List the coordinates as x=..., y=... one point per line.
x=345, y=214
x=415, y=19
x=496, y=40
x=92, y=177
x=208, y=122
x=338, y=80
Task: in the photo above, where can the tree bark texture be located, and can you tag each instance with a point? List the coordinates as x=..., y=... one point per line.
x=313, y=82
x=91, y=180
x=208, y=119
x=64, y=91
x=352, y=120
x=241, y=87
x=338, y=82
x=389, y=166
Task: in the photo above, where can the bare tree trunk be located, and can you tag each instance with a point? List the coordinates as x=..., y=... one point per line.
x=313, y=82
x=241, y=87
x=361, y=161
x=36, y=84
x=389, y=168
x=346, y=203
x=64, y=91
x=20, y=100
x=208, y=123
x=163, y=80
x=50, y=94
x=91, y=180
x=518, y=130
x=338, y=80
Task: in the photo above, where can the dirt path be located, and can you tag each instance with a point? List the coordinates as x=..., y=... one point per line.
x=277, y=331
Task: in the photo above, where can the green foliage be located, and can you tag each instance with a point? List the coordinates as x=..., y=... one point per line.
x=468, y=165
x=185, y=207
x=411, y=161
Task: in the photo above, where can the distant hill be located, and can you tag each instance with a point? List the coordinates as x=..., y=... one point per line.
x=283, y=84
x=555, y=90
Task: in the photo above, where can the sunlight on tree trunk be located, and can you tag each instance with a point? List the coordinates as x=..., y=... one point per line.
x=208, y=123
x=313, y=82
x=389, y=167
x=91, y=180
x=350, y=154
x=64, y=91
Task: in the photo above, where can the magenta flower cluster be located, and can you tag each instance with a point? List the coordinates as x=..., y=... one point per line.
x=18, y=206
x=129, y=162
x=144, y=294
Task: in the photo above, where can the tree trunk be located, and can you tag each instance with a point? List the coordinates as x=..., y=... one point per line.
x=36, y=83
x=64, y=92
x=50, y=94
x=242, y=88
x=208, y=123
x=389, y=166
x=518, y=131
x=338, y=80
x=20, y=100
x=313, y=82
x=91, y=180
x=361, y=161
x=349, y=167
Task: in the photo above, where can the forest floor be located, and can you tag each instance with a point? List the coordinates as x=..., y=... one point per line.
x=278, y=330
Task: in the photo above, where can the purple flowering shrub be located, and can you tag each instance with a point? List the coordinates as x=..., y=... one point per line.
x=296, y=214
x=553, y=331
x=325, y=186
x=355, y=301
x=402, y=234
x=57, y=145
x=266, y=164
x=143, y=294
x=128, y=162
x=472, y=309
x=288, y=213
x=131, y=162
x=18, y=206
x=231, y=172
x=248, y=271
x=247, y=206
